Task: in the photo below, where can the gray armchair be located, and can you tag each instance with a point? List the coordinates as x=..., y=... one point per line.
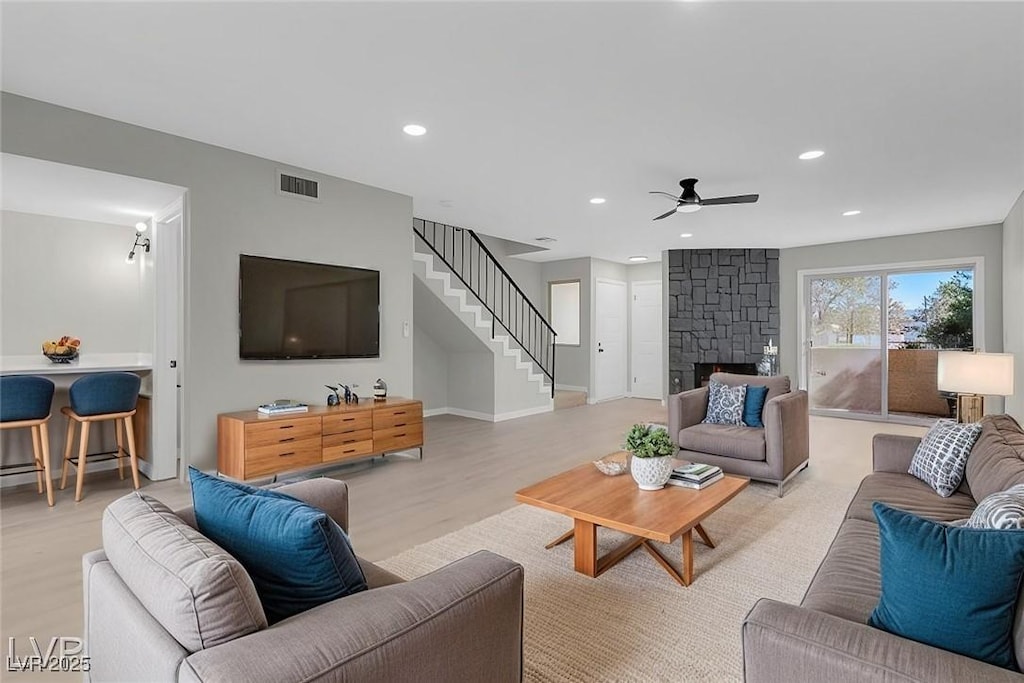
x=461, y=622
x=775, y=453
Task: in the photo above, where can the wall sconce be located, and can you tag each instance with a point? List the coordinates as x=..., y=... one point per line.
x=139, y=242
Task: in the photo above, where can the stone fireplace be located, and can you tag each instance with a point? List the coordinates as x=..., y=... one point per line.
x=723, y=309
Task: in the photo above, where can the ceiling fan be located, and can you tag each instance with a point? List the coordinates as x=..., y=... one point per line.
x=689, y=201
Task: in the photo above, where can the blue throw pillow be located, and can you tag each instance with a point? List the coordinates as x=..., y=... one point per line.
x=954, y=588
x=753, y=404
x=297, y=556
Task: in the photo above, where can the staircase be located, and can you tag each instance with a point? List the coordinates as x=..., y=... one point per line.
x=459, y=269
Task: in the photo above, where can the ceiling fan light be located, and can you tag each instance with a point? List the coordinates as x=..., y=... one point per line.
x=688, y=208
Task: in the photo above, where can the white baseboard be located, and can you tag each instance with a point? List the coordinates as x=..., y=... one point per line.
x=594, y=401
x=489, y=417
x=569, y=387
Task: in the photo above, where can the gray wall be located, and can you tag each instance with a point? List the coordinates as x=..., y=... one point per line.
x=233, y=208
x=526, y=274
x=985, y=241
x=471, y=382
x=1013, y=311
x=430, y=371
x=572, y=363
x=64, y=276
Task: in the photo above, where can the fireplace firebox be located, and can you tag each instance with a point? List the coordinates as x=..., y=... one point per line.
x=702, y=371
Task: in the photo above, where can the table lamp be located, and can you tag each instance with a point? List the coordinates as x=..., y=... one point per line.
x=974, y=376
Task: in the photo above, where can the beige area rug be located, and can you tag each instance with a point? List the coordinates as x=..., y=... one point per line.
x=634, y=623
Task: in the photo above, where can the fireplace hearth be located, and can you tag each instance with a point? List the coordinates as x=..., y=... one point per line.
x=702, y=371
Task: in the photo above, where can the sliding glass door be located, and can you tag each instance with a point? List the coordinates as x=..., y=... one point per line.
x=872, y=339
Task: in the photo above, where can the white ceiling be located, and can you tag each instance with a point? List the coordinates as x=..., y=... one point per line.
x=532, y=108
x=43, y=187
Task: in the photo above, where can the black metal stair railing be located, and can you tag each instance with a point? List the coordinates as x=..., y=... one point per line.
x=474, y=265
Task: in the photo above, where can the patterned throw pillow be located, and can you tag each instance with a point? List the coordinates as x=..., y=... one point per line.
x=725, y=404
x=941, y=456
x=1003, y=510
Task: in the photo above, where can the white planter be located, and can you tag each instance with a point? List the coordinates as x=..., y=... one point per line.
x=651, y=474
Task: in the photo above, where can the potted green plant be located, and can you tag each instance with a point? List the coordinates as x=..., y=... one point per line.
x=652, y=454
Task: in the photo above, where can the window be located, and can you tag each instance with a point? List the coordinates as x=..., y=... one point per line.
x=564, y=309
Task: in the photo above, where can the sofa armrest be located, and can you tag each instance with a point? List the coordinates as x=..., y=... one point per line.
x=686, y=409
x=330, y=495
x=893, y=452
x=462, y=622
x=788, y=643
x=787, y=432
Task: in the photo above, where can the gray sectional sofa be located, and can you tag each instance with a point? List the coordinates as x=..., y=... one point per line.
x=462, y=622
x=827, y=637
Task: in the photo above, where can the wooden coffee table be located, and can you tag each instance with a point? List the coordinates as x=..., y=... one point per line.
x=593, y=499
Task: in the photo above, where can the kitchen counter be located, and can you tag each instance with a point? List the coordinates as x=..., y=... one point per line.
x=87, y=363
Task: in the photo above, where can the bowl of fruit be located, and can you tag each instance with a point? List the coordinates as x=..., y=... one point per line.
x=64, y=350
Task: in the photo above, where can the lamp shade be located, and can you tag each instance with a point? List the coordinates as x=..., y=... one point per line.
x=987, y=374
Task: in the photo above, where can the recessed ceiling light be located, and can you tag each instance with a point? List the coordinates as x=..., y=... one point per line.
x=813, y=154
x=597, y=200
x=686, y=234
x=414, y=129
x=852, y=212
x=141, y=226
x=637, y=258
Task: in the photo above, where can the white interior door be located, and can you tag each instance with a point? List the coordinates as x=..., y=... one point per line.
x=165, y=414
x=610, y=311
x=645, y=340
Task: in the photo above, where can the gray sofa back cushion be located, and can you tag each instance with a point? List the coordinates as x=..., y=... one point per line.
x=997, y=460
x=198, y=592
x=777, y=386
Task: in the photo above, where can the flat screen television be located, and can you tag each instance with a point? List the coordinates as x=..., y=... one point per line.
x=293, y=309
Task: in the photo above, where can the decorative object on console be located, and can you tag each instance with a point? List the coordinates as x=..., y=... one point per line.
x=64, y=350
x=350, y=396
x=652, y=450
x=974, y=376
x=333, y=398
x=941, y=457
x=952, y=588
x=725, y=404
x=380, y=390
x=296, y=555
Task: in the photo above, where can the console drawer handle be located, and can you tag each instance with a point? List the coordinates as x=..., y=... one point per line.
x=401, y=424
x=351, y=450
x=290, y=438
x=285, y=455
x=398, y=412
x=287, y=427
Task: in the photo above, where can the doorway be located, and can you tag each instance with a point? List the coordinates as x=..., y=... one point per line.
x=610, y=367
x=645, y=338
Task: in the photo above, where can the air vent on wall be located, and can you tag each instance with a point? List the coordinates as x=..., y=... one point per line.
x=294, y=186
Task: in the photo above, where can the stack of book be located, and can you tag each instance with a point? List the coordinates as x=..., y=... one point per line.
x=695, y=476
x=283, y=406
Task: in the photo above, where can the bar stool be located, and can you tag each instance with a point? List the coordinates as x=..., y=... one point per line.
x=99, y=398
x=25, y=402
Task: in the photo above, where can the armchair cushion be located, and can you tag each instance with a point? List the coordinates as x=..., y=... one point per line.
x=297, y=556
x=200, y=594
x=725, y=404
x=753, y=405
x=731, y=441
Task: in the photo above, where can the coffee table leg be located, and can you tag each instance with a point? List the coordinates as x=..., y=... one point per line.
x=585, y=548
x=561, y=539
x=687, y=558
x=704, y=536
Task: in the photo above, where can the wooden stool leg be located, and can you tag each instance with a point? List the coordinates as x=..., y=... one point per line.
x=131, y=450
x=37, y=457
x=45, y=438
x=83, y=447
x=120, y=449
x=69, y=439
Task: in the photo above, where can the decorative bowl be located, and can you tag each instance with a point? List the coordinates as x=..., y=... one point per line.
x=612, y=466
x=62, y=357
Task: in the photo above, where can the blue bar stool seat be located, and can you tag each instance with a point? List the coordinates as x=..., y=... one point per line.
x=99, y=398
x=25, y=402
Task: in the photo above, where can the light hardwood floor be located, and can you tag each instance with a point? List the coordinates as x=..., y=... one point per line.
x=470, y=470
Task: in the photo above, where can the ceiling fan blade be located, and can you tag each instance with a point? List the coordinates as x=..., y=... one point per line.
x=665, y=194
x=737, y=199
x=665, y=215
